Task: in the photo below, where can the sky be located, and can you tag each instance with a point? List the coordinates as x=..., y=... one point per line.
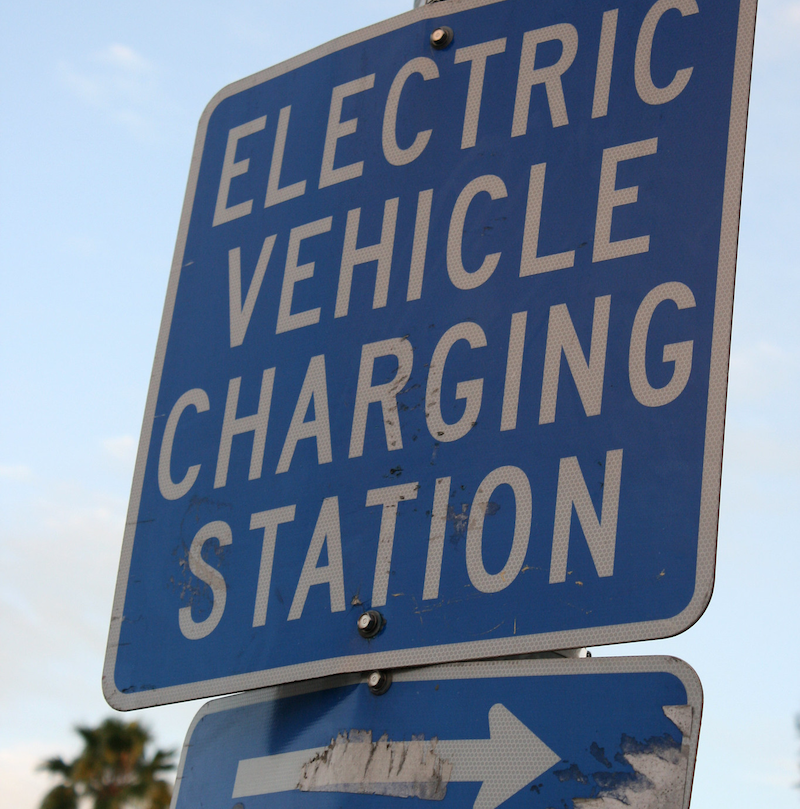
x=100, y=104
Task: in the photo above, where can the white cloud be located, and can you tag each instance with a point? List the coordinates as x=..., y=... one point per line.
x=17, y=472
x=62, y=552
x=59, y=551
x=119, y=82
x=123, y=57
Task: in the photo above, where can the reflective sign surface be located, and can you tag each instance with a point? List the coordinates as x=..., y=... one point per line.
x=446, y=337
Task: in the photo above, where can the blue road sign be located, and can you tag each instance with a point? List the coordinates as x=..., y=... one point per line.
x=583, y=733
x=446, y=337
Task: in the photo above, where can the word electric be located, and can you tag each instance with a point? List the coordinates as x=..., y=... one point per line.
x=445, y=341
x=398, y=131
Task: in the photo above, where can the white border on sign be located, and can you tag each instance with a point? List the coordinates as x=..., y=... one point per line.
x=715, y=419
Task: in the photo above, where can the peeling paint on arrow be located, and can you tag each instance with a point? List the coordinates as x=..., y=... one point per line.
x=354, y=763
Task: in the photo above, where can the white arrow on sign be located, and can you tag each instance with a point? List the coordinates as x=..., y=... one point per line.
x=509, y=760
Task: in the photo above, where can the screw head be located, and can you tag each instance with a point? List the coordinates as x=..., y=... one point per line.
x=379, y=682
x=369, y=623
x=442, y=37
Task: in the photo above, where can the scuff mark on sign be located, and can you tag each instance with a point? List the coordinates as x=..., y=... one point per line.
x=460, y=519
x=354, y=763
x=600, y=754
x=572, y=773
x=659, y=766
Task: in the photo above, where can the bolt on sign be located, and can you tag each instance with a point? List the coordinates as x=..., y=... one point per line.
x=583, y=733
x=445, y=345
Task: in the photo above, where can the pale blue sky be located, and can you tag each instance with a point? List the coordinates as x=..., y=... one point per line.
x=99, y=107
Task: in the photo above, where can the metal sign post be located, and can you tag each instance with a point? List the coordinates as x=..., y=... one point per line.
x=588, y=733
x=443, y=362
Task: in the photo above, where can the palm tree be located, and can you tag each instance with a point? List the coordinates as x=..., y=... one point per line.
x=112, y=771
